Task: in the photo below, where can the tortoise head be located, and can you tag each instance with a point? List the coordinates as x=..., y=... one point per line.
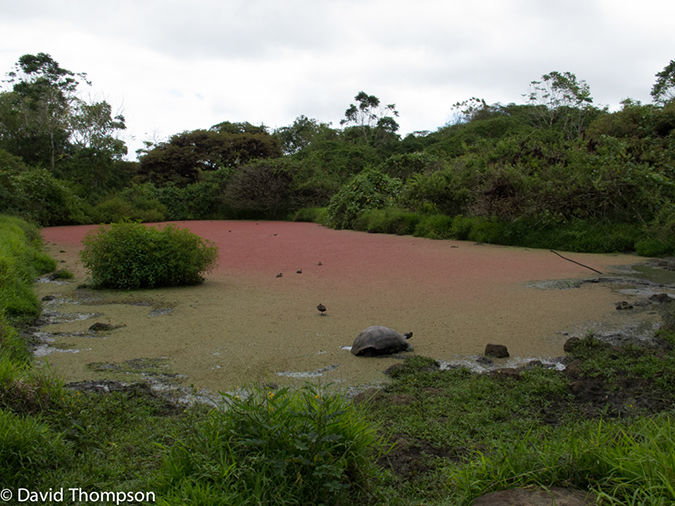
x=408, y=335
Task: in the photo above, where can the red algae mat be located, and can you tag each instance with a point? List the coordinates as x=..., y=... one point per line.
x=247, y=324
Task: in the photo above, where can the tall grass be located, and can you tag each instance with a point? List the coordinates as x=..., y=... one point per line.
x=285, y=447
x=21, y=261
x=28, y=448
x=625, y=464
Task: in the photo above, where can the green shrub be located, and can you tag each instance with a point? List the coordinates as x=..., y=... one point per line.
x=285, y=447
x=310, y=214
x=370, y=189
x=436, y=226
x=35, y=194
x=654, y=247
x=117, y=208
x=63, y=274
x=387, y=221
x=131, y=255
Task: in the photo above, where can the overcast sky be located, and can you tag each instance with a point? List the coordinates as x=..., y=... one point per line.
x=172, y=65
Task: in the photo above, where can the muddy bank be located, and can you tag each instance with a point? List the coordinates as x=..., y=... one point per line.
x=246, y=323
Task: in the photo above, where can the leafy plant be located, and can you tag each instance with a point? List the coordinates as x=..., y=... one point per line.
x=368, y=190
x=130, y=255
x=279, y=447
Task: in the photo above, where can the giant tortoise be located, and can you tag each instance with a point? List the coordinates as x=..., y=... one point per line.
x=378, y=340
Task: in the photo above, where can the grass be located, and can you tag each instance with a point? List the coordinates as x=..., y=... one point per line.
x=623, y=463
x=21, y=260
x=483, y=433
x=306, y=446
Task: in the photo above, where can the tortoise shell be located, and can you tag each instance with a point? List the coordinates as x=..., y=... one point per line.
x=378, y=340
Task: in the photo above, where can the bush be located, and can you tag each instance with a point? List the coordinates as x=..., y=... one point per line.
x=437, y=226
x=368, y=190
x=284, y=447
x=312, y=215
x=387, y=221
x=130, y=255
x=116, y=209
x=35, y=194
x=262, y=189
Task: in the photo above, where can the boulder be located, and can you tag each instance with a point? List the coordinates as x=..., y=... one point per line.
x=496, y=351
x=660, y=298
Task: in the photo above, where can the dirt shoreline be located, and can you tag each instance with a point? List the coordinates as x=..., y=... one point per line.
x=246, y=324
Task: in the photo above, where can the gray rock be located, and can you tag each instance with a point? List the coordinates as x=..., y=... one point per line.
x=537, y=497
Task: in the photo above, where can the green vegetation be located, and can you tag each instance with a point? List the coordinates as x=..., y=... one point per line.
x=131, y=255
x=604, y=425
x=308, y=446
x=432, y=436
x=21, y=260
x=556, y=171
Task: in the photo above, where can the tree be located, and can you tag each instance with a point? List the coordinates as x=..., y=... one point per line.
x=44, y=121
x=186, y=155
x=262, y=189
x=663, y=90
x=368, y=116
x=44, y=96
x=95, y=127
x=561, y=100
x=471, y=109
x=300, y=134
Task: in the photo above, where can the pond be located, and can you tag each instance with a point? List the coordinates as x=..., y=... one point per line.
x=246, y=323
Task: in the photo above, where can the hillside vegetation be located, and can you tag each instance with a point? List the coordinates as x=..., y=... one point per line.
x=555, y=171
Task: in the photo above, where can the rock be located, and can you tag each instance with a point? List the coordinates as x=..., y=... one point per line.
x=573, y=370
x=665, y=263
x=660, y=298
x=537, y=497
x=534, y=364
x=496, y=351
x=101, y=327
x=623, y=305
x=483, y=360
x=48, y=298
